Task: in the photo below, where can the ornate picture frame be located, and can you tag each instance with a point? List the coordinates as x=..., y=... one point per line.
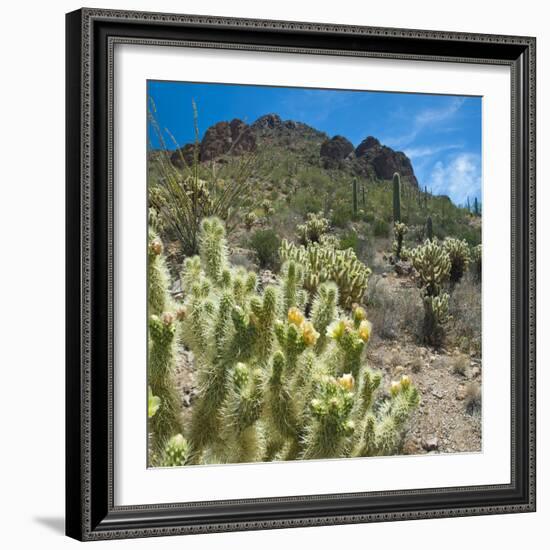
x=91, y=511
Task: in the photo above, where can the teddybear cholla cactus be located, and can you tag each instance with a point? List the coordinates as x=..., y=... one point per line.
x=311, y=231
x=399, y=231
x=323, y=262
x=275, y=384
x=163, y=320
x=459, y=254
x=476, y=256
x=433, y=265
x=176, y=451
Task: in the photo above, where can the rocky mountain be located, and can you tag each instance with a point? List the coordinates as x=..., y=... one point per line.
x=370, y=159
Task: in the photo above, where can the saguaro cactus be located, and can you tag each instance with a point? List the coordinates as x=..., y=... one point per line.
x=354, y=197
x=429, y=229
x=396, y=197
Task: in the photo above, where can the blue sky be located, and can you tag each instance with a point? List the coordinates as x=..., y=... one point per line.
x=440, y=134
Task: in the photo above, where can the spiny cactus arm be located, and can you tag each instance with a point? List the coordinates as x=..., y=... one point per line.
x=161, y=364
x=213, y=248
x=331, y=427
x=158, y=278
x=240, y=414
x=323, y=311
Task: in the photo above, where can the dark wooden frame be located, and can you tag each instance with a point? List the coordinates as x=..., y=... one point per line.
x=91, y=35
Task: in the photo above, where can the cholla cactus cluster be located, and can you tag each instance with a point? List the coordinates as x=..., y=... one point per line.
x=164, y=317
x=399, y=231
x=459, y=255
x=267, y=207
x=323, y=261
x=476, y=257
x=311, y=231
x=250, y=219
x=276, y=383
x=433, y=265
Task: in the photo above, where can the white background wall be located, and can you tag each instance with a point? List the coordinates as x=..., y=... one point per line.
x=32, y=270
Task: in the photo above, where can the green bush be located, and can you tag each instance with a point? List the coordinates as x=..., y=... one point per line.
x=265, y=244
x=381, y=228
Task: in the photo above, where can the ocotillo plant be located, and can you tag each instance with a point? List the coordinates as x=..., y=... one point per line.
x=275, y=383
x=364, y=196
x=433, y=265
x=354, y=197
x=396, y=197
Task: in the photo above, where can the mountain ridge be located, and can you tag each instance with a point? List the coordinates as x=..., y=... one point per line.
x=370, y=159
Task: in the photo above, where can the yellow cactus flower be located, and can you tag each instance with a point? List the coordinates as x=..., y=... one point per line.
x=336, y=329
x=309, y=334
x=359, y=313
x=395, y=387
x=365, y=329
x=295, y=316
x=405, y=382
x=347, y=381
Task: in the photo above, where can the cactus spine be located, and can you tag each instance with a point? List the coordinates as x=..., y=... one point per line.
x=396, y=198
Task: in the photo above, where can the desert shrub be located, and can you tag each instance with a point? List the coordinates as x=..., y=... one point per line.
x=306, y=201
x=340, y=214
x=465, y=308
x=277, y=383
x=381, y=228
x=265, y=244
x=349, y=239
x=460, y=365
x=394, y=311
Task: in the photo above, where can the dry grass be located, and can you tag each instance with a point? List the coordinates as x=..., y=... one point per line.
x=472, y=400
x=394, y=310
x=460, y=365
x=465, y=308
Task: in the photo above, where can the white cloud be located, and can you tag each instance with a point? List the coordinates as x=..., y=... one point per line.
x=420, y=152
x=426, y=119
x=459, y=178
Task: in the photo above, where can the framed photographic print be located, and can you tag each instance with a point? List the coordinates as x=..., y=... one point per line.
x=300, y=274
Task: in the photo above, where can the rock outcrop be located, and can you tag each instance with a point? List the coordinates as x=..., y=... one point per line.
x=382, y=161
x=335, y=150
x=223, y=138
